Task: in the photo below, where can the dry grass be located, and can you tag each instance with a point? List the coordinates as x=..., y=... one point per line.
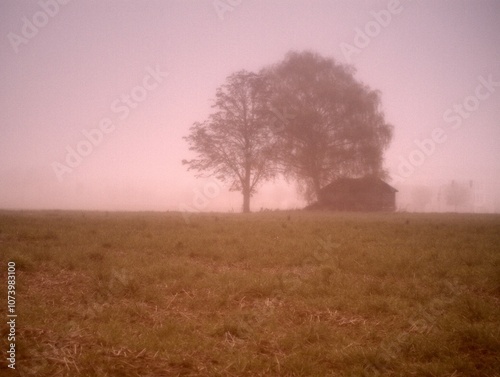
x=289, y=294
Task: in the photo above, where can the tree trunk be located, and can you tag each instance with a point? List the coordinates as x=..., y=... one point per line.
x=246, y=201
x=246, y=183
x=317, y=187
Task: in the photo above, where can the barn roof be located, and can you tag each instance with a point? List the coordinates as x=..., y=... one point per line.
x=357, y=184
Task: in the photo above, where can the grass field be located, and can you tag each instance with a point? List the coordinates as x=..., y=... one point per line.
x=264, y=294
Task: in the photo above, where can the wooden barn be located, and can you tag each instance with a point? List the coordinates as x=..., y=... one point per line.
x=357, y=194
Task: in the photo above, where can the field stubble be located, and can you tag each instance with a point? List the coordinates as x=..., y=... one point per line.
x=285, y=293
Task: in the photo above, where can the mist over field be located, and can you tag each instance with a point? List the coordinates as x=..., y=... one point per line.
x=136, y=136
x=97, y=96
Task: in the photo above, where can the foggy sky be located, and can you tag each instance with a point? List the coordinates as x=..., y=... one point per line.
x=141, y=72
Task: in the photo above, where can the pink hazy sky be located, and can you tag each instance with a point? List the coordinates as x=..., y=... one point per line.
x=144, y=71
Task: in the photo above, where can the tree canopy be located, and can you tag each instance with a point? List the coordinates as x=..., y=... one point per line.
x=336, y=127
x=305, y=117
x=235, y=144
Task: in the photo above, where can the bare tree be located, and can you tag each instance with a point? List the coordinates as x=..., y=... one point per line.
x=235, y=143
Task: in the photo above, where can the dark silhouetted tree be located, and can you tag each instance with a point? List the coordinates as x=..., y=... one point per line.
x=335, y=126
x=235, y=143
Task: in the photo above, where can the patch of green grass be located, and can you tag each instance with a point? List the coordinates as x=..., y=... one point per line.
x=281, y=293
